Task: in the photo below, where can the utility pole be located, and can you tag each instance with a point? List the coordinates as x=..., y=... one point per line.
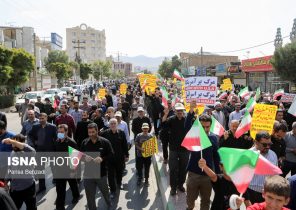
x=35, y=68
x=77, y=55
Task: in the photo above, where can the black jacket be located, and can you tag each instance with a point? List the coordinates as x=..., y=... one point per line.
x=137, y=125
x=118, y=142
x=81, y=132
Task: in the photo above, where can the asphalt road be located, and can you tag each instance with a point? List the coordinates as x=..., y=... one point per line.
x=131, y=197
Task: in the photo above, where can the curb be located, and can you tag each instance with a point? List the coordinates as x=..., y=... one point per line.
x=162, y=183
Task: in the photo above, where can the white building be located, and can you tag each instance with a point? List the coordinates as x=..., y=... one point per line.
x=86, y=41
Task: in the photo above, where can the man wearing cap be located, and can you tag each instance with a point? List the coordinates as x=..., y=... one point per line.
x=178, y=155
x=219, y=115
x=122, y=125
x=236, y=114
x=135, y=107
x=143, y=161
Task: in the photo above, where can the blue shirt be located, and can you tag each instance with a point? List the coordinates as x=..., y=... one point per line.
x=27, y=126
x=6, y=147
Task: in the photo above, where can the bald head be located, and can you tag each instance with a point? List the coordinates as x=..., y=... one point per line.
x=234, y=125
x=31, y=115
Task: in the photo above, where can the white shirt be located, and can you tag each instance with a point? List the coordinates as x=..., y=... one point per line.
x=123, y=126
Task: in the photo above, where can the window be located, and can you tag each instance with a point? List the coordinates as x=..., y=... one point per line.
x=73, y=33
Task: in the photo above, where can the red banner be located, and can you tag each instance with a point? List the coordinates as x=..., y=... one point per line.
x=257, y=64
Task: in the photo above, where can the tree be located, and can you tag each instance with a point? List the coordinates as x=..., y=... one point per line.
x=85, y=70
x=101, y=68
x=284, y=62
x=55, y=56
x=167, y=67
x=23, y=63
x=62, y=71
x=5, y=67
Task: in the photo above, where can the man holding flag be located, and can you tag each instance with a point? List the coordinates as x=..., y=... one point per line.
x=204, y=145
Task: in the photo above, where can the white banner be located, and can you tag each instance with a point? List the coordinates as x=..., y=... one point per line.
x=202, y=89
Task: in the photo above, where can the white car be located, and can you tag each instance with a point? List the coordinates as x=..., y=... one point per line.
x=76, y=87
x=69, y=90
x=50, y=93
x=32, y=96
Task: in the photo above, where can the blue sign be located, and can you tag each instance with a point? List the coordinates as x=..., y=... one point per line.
x=220, y=68
x=56, y=39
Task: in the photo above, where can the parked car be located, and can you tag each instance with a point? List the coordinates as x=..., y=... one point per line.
x=50, y=93
x=68, y=90
x=76, y=87
x=32, y=96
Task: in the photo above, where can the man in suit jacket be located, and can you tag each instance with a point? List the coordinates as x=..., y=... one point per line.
x=43, y=136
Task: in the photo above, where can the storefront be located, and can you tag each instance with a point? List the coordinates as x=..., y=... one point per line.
x=260, y=73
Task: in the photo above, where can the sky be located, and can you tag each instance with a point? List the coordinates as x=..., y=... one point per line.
x=161, y=27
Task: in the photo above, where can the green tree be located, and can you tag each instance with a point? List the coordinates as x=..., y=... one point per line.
x=23, y=63
x=284, y=62
x=62, y=71
x=101, y=69
x=5, y=67
x=55, y=56
x=85, y=70
x=167, y=67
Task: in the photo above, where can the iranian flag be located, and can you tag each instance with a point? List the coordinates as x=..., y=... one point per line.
x=75, y=156
x=278, y=93
x=241, y=165
x=216, y=127
x=178, y=75
x=244, y=92
x=223, y=95
x=165, y=96
x=244, y=126
x=196, y=139
x=175, y=100
x=258, y=93
x=251, y=104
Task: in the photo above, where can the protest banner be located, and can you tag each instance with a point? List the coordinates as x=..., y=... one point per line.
x=123, y=88
x=200, y=108
x=202, y=89
x=150, y=147
x=101, y=93
x=263, y=118
x=226, y=85
x=288, y=97
x=150, y=80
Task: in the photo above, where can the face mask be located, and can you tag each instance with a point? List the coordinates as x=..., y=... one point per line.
x=61, y=135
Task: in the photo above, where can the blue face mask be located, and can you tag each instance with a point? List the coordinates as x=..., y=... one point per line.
x=61, y=135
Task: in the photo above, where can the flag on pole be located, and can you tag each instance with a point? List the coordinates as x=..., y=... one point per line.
x=196, y=139
x=278, y=93
x=292, y=109
x=223, y=95
x=251, y=104
x=258, y=93
x=75, y=155
x=244, y=126
x=244, y=92
x=216, y=127
x=241, y=165
x=175, y=99
x=164, y=96
x=178, y=75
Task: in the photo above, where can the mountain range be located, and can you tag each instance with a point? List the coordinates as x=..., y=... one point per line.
x=142, y=62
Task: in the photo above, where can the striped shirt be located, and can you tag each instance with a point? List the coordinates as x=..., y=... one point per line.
x=257, y=182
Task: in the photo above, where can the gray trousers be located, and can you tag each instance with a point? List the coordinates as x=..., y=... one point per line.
x=90, y=186
x=177, y=164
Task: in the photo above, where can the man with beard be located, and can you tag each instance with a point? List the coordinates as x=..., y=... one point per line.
x=28, y=124
x=278, y=144
x=262, y=145
x=81, y=129
x=118, y=141
x=65, y=118
x=229, y=139
x=219, y=115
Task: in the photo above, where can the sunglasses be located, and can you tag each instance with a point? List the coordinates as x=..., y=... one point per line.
x=266, y=144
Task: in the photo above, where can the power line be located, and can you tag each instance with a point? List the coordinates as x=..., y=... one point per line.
x=247, y=48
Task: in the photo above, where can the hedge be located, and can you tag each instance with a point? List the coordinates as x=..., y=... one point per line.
x=6, y=101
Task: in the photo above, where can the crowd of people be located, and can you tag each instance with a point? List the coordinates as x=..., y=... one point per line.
x=105, y=125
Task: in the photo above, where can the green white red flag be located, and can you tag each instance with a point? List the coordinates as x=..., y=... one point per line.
x=244, y=92
x=178, y=75
x=216, y=127
x=196, y=139
x=223, y=95
x=241, y=165
x=75, y=156
x=258, y=93
x=165, y=96
x=251, y=104
x=278, y=93
x=244, y=126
